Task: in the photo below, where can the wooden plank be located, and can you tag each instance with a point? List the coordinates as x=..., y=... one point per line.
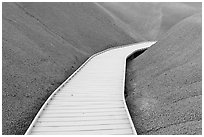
x=85, y=110
x=96, y=132
x=82, y=128
x=83, y=114
x=87, y=99
x=108, y=117
x=107, y=90
x=99, y=106
x=77, y=123
x=87, y=95
x=83, y=104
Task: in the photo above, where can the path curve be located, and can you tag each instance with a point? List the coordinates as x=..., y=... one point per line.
x=91, y=100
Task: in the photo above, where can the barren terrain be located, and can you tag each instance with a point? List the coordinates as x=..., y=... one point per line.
x=43, y=43
x=164, y=84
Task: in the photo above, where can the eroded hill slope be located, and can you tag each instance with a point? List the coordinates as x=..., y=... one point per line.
x=149, y=20
x=164, y=84
x=43, y=43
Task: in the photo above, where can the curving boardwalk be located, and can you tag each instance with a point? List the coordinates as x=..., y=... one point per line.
x=91, y=100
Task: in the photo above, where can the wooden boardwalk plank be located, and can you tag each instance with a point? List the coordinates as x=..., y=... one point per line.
x=84, y=110
x=71, y=119
x=93, y=132
x=83, y=114
x=85, y=107
x=82, y=127
x=76, y=123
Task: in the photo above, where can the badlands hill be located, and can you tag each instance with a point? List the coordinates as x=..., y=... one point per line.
x=43, y=43
x=147, y=20
x=164, y=84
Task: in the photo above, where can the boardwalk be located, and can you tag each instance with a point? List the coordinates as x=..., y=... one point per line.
x=91, y=101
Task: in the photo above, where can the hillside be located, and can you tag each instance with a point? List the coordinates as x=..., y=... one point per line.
x=149, y=20
x=164, y=84
x=42, y=45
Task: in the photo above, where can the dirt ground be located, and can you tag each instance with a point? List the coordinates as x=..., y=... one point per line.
x=43, y=43
x=164, y=84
